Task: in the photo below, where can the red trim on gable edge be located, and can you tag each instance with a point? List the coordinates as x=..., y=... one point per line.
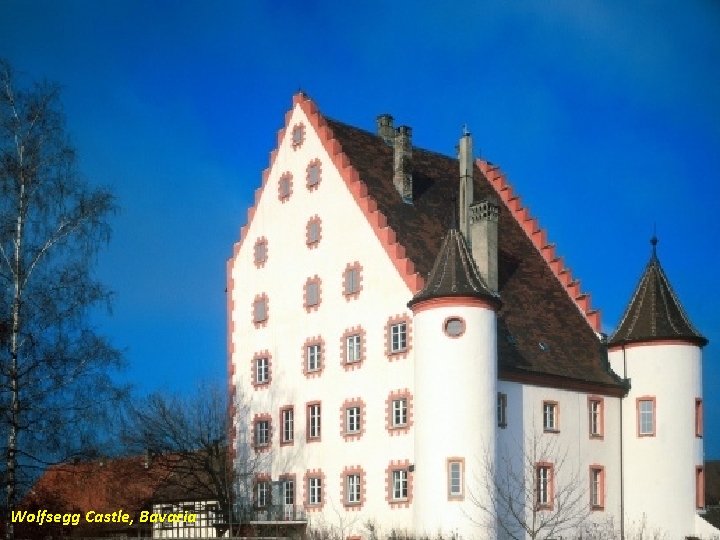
x=359, y=191
x=538, y=238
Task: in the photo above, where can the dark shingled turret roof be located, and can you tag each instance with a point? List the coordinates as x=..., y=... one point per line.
x=454, y=273
x=655, y=312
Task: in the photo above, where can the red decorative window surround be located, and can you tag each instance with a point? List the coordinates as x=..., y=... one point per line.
x=452, y=319
x=260, y=310
x=344, y=428
x=355, y=470
x=344, y=351
x=254, y=369
x=297, y=135
x=311, y=301
x=454, y=496
x=597, y=487
x=313, y=174
x=389, y=487
x=317, y=340
x=260, y=252
x=699, y=487
x=264, y=417
x=313, y=473
x=313, y=232
x=283, y=428
x=352, y=281
x=398, y=347
x=638, y=404
x=596, y=417
x=285, y=187
x=309, y=429
x=698, y=417
x=402, y=429
x=549, y=494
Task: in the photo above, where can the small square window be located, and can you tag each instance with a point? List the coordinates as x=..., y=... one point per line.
x=298, y=136
x=352, y=280
x=314, y=357
x=260, y=310
x=311, y=294
x=353, y=349
x=285, y=187
x=399, y=411
x=260, y=252
x=352, y=419
x=550, y=416
x=313, y=174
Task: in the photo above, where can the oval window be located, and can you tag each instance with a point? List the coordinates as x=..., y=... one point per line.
x=454, y=327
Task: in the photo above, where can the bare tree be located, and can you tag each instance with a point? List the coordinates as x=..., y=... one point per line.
x=191, y=433
x=54, y=381
x=531, y=491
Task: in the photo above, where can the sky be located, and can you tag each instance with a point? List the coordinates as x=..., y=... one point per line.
x=605, y=116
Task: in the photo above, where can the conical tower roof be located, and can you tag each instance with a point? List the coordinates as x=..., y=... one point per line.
x=454, y=273
x=655, y=313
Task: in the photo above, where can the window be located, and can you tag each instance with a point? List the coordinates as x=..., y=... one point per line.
x=260, y=310
x=315, y=489
x=288, y=491
x=597, y=487
x=311, y=294
x=313, y=417
x=454, y=327
x=262, y=370
x=313, y=357
x=353, y=488
x=313, y=174
x=544, y=486
x=352, y=279
x=398, y=337
x=596, y=417
x=287, y=419
x=399, y=410
x=400, y=484
x=550, y=416
x=165, y=509
x=298, y=136
x=285, y=187
x=698, y=417
x=502, y=410
x=260, y=252
x=456, y=481
x=262, y=494
x=352, y=419
x=262, y=433
x=646, y=416
x=313, y=232
x=353, y=348
x=699, y=488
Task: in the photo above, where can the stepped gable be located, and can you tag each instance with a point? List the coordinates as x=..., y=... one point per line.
x=454, y=273
x=542, y=333
x=654, y=312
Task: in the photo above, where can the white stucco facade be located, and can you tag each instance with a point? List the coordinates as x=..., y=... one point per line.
x=389, y=418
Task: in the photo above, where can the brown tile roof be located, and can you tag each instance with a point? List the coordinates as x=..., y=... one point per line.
x=541, y=330
x=654, y=312
x=454, y=273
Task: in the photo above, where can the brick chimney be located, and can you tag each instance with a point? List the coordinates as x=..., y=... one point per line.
x=385, y=129
x=402, y=177
x=465, y=192
x=484, y=239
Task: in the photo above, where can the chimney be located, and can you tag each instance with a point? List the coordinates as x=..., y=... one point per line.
x=465, y=198
x=385, y=129
x=484, y=239
x=402, y=177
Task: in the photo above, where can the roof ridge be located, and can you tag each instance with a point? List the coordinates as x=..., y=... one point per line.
x=538, y=237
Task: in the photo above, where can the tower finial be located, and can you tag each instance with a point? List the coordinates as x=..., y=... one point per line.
x=654, y=241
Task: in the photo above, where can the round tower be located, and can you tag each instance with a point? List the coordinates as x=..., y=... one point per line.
x=455, y=394
x=660, y=352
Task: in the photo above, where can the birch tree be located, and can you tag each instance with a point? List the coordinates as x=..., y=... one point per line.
x=54, y=379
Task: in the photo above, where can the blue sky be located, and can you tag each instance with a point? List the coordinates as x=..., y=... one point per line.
x=604, y=115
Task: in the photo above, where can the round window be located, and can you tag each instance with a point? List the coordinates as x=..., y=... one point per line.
x=454, y=327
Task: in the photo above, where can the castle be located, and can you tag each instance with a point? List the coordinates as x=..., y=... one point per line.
x=406, y=348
